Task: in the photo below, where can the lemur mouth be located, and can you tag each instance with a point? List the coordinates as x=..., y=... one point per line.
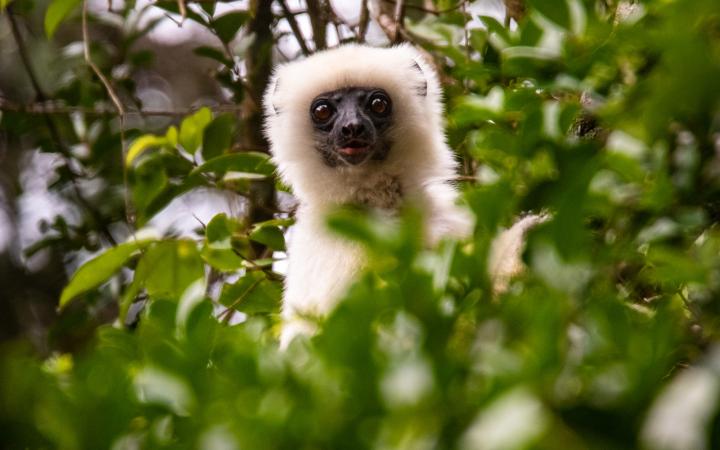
x=355, y=151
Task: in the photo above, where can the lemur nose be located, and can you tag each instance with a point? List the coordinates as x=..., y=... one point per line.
x=352, y=129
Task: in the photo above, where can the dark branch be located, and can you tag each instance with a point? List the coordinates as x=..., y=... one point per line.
x=364, y=21
x=55, y=108
x=290, y=17
x=318, y=23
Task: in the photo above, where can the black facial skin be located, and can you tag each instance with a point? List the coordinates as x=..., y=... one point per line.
x=350, y=125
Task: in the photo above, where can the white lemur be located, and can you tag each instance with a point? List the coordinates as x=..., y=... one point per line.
x=358, y=124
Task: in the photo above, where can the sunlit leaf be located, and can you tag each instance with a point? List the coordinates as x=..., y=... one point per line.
x=192, y=128
x=56, y=13
x=143, y=143
x=99, y=269
x=218, y=250
x=268, y=235
x=253, y=293
x=169, y=267
x=250, y=162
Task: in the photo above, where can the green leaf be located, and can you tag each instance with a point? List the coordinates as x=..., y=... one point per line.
x=169, y=267
x=253, y=293
x=250, y=162
x=218, y=231
x=4, y=3
x=149, y=179
x=268, y=235
x=225, y=260
x=192, y=128
x=218, y=250
x=495, y=27
x=172, y=136
x=56, y=13
x=555, y=10
x=143, y=143
x=218, y=135
x=227, y=25
x=98, y=270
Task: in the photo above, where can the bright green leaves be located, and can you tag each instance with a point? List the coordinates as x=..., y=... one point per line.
x=252, y=294
x=218, y=135
x=99, y=269
x=192, y=129
x=57, y=12
x=252, y=164
x=555, y=10
x=198, y=153
x=169, y=267
x=228, y=245
x=197, y=131
x=269, y=234
x=165, y=269
x=218, y=249
x=149, y=141
x=613, y=129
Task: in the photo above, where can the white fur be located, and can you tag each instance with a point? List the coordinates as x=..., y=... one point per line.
x=418, y=168
x=504, y=260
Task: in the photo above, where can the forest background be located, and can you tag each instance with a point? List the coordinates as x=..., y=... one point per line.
x=142, y=232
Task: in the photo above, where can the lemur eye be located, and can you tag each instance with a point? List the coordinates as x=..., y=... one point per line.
x=380, y=104
x=322, y=111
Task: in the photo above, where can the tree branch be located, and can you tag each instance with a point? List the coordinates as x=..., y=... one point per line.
x=290, y=17
x=86, y=51
x=55, y=108
x=364, y=21
x=183, y=11
x=318, y=23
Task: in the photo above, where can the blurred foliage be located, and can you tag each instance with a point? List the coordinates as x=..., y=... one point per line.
x=605, y=114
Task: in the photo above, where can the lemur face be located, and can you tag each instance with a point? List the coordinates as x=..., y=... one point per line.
x=350, y=125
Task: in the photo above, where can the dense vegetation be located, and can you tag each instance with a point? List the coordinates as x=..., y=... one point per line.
x=606, y=115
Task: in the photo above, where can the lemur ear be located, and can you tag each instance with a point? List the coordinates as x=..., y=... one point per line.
x=421, y=89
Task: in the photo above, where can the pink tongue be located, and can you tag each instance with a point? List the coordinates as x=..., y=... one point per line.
x=351, y=151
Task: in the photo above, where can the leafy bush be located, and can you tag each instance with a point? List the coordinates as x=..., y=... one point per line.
x=606, y=115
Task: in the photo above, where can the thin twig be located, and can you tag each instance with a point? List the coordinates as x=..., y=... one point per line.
x=399, y=17
x=290, y=17
x=337, y=22
x=129, y=209
x=172, y=19
x=54, y=132
x=61, y=109
x=86, y=50
x=183, y=11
